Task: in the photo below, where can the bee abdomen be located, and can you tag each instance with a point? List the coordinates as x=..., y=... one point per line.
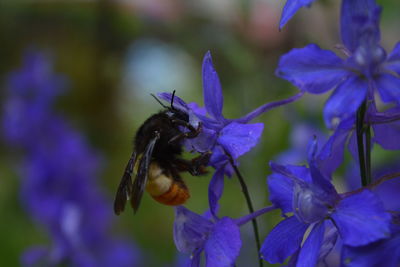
x=164, y=188
x=177, y=194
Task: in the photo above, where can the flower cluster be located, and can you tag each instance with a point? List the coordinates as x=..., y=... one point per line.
x=361, y=226
x=59, y=186
x=318, y=220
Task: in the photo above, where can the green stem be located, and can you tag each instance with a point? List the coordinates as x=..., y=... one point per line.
x=249, y=205
x=360, y=142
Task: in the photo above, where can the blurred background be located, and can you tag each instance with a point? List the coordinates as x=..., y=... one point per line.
x=112, y=54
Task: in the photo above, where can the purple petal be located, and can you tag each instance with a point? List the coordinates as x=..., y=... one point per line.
x=291, y=171
x=390, y=115
x=281, y=187
x=281, y=192
x=223, y=244
x=312, y=69
x=351, y=12
x=387, y=135
x=329, y=242
x=388, y=87
x=205, y=141
x=120, y=253
x=381, y=253
x=195, y=258
x=393, y=60
x=290, y=9
x=346, y=99
x=309, y=252
x=322, y=186
x=283, y=240
x=352, y=146
x=178, y=102
x=331, y=155
x=269, y=106
x=212, y=91
x=238, y=138
x=215, y=189
x=190, y=230
x=389, y=190
x=360, y=224
x=35, y=256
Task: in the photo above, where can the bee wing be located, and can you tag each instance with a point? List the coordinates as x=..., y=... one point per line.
x=125, y=186
x=142, y=174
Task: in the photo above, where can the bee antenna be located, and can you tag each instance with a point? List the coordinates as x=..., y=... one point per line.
x=158, y=100
x=172, y=100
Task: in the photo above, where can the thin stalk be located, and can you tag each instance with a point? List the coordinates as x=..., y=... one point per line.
x=249, y=205
x=360, y=142
x=245, y=219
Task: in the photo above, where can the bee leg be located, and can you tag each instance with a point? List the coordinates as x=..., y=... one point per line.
x=199, y=163
x=193, y=132
x=196, y=166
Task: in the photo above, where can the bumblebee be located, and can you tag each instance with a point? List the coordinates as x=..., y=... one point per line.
x=156, y=160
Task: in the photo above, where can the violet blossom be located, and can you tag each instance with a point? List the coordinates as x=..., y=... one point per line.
x=59, y=175
x=315, y=202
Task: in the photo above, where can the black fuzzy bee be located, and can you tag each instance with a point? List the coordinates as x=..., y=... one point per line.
x=156, y=160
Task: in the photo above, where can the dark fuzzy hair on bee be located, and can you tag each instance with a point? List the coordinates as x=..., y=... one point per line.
x=156, y=162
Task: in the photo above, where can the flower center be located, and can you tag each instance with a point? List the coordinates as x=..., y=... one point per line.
x=307, y=206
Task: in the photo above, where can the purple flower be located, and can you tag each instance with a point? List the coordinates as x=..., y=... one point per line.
x=291, y=8
x=59, y=175
x=30, y=95
x=367, y=67
x=313, y=200
x=228, y=139
x=384, y=252
x=219, y=240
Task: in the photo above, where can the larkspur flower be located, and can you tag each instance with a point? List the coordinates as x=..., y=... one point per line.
x=58, y=175
x=313, y=200
x=290, y=8
x=227, y=139
x=366, y=69
x=218, y=239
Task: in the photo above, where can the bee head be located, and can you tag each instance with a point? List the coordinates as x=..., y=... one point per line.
x=177, y=112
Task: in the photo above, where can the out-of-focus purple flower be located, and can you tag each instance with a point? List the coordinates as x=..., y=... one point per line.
x=299, y=137
x=291, y=8
x=367, y=67
x=30, y=94
x=313, y=199
x=228, y=139
x=58, y=175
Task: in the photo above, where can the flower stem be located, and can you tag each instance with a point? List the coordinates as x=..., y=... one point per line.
x=360, y=142
x=249, y=204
